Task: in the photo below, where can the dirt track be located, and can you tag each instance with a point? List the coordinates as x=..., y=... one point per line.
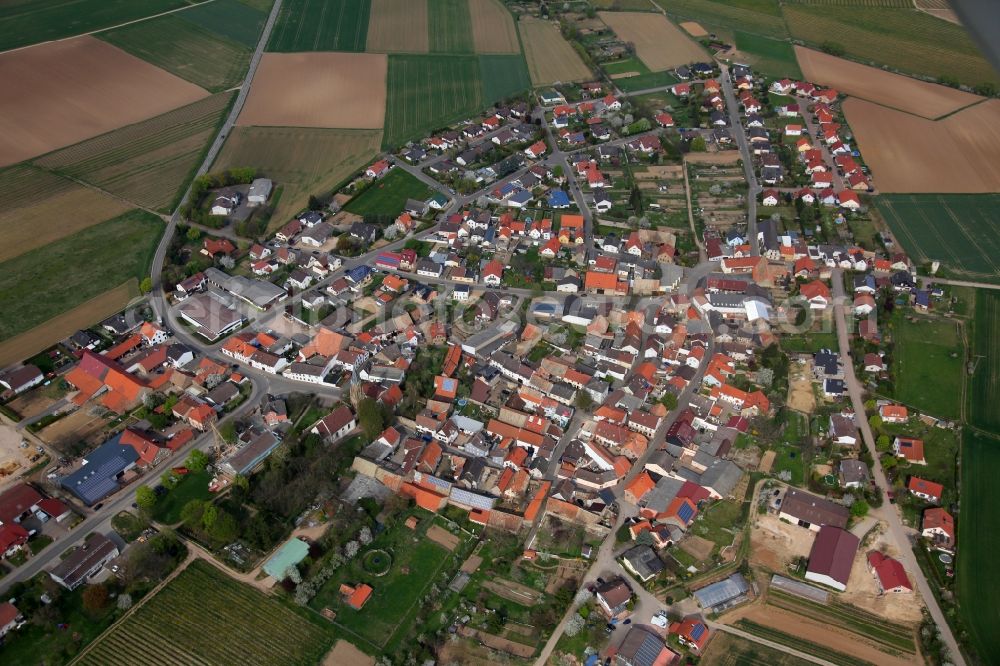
x=344, y=90
x=895, y=90
x=61, y=93
x=910, y=154
x=659, y=43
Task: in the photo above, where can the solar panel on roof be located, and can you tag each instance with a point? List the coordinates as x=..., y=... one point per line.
x=697, y=631
x=648, y=652
x=686, y=512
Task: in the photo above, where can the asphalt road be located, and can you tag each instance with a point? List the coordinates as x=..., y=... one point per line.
x=736, y=126
x=888, y=512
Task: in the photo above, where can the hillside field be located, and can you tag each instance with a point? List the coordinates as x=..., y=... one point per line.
x=425, y=92
x=550, y=57
x=962, y=231
x=762, y=17
x=907, y=40
x=49, y=280
x=321, y=25
x=977, y=580
x=503, y=76
x=188, y=49
x=203, y=604
x=493, y=28
x=984, y=387
x=773, y=57
x=302, y=161
x=399, y=26
x=24, y=23
x=149, y=163
x=33, y=205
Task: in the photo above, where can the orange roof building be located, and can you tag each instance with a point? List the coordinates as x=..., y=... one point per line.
x=637, y=488
x=357, y=596
x=95, y=373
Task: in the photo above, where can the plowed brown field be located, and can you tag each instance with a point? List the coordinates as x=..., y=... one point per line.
x=875, y=85
x=318, y=90
x=911, y=154
x=659, y=43
x=493, y=27
x=63, y=92
x=398, y=26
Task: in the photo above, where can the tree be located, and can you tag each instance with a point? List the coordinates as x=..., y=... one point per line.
x=574, y=625
x=584, y=400
x=351, y=549
x=669, y=400
x=315, y=203
x=645, y=538
x=95, y=598
x=985, y=89
x=209, y=516
x=698, y=144
x=371, y=417
x=883, y=443
x=833, y=48
x=889, y=462
x=192, y=512
x=859, y=509
x=365, y=536
x=146, y=285
x=292, y=574
x=145, y=498
x=875, y=421
x=196, y=460
x=193, y=234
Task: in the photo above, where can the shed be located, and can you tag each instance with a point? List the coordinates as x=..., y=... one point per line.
x=289, y=555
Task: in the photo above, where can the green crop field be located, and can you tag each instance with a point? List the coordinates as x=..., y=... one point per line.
x=185, y=49
x=772, y=57
x=928, y=363
x=907, y=40
x=977, y=580
x=645, y=79
x=449, y=26
x=962, y=231
x=203, y=616
x=503, y=76
x=321, y=25
x=230, y=18
x=151, y=162
x=52, y=279
x=428, y=92
x=898, y=4
x=762, y=17
x=27, y=22
x=984, y=387
x=388, y=195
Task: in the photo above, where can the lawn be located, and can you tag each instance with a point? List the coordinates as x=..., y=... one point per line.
x=928, y=364
x=907, y=40
x=321, y=25
x=809, y=342
x=202, y=605
x=193, y=486
x=503, y=76
x=49, y=280
x=720, y=522
x=449, y=26
x=940, y=452
x=185, y=49
x=426, y=92
x=978, y=581
x=384, y=619
x=149, y=163
x=984, y=389
x=962, y=231
x=388, y=195
x=772, y=57
x=32, y=21
x=645, y=79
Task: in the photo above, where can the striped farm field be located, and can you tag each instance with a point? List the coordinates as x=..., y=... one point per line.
x=450, y=26
x=302, y=161
x=550, y=57
x=961, y=231
x=232, y=19
x=984, y=389
x=148, y=163
x=425, y=92
x=398, y=26
x=898, y=4
x=186, y=49
x=493, y=28
x=321, y=25
x=219, y=620
x=659, y=43
x=909, y=41
x=34, y=205
x=748, y=17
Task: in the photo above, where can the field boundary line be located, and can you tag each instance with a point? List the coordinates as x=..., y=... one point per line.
x=111, y=27
x=162, y=216
x=961, y=108
x=769, y=643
